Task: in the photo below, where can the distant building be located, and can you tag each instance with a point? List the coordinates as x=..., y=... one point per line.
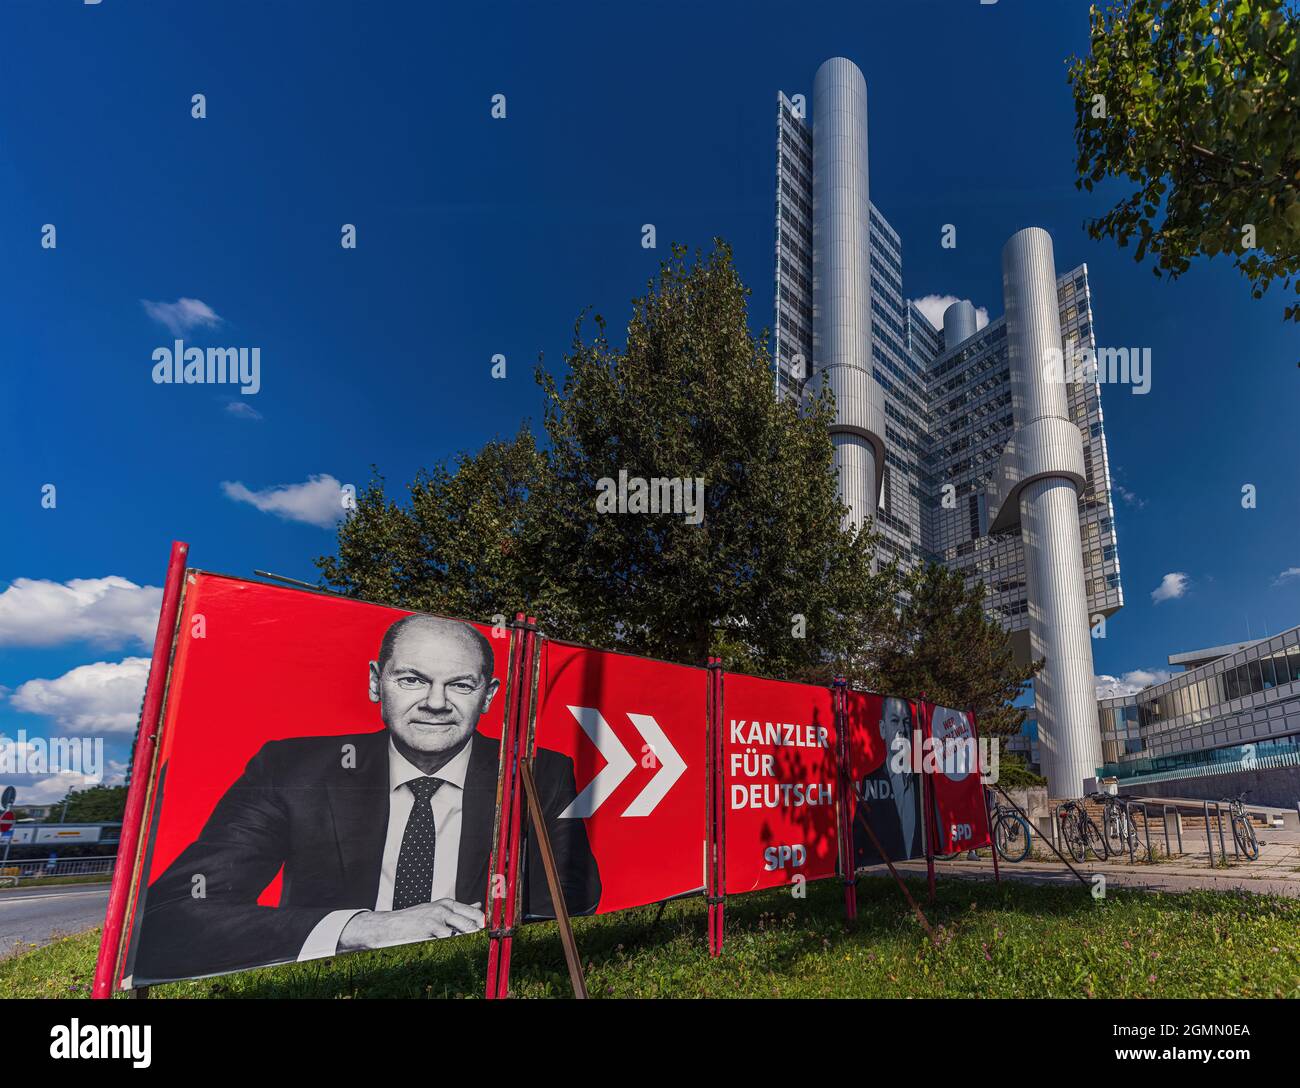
x=1235, y=709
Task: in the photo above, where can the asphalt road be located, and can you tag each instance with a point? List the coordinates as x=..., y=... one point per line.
x=36, y=916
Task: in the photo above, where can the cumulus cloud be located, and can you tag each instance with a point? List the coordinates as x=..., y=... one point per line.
x=933, y=307
x=1171, y=587
x=1287, y=575
x=243, y=410
x=100, y=698
x=107, y=612
x=182, y=316
x=317, y=502
x=1130, y=683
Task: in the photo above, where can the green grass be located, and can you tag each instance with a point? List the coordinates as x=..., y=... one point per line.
x=1016, y=940
x=42, y=881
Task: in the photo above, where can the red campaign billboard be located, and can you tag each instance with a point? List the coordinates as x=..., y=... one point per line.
x=635, y=730
x=885, y=775
x=326, y=782
x=781, y=782
x=961, y=814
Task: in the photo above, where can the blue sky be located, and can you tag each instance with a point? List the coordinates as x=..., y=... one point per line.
x=479, y=236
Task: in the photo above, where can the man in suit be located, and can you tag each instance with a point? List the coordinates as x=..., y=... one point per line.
x=384, y=837
x=891, y=793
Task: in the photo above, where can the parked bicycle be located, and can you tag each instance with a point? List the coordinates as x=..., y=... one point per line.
x=1118, y=824
x=1080, y=832
x=1243, y=831
x=1011, y=835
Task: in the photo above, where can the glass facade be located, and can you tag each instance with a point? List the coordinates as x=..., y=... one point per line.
x=1248, y=697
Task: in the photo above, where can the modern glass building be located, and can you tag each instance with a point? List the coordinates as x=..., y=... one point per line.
x=1234, y=707
x=954, y=439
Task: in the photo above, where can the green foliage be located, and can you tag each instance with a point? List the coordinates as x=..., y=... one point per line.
x=461, y=546
x=941, y=644
x=690, y=395
x=98, y=804
x=1014, y=772
x=1199, y=108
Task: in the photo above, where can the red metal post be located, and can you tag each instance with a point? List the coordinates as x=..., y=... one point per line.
x=501, y=912
x=110, y=946
x=716, y=833
x=927, y=796
x=844, y=826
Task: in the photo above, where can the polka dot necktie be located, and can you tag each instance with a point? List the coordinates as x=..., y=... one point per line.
x=414, y=883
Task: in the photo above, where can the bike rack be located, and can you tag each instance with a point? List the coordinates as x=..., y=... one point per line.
x=1178, y=828
x=1128, y=831
x=1209, y=836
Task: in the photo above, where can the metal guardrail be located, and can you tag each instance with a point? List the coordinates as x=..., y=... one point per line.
x=31, y=868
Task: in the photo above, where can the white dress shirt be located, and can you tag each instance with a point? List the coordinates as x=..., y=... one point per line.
x=447, y=804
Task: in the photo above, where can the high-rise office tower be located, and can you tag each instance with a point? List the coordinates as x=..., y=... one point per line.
x=958, y=441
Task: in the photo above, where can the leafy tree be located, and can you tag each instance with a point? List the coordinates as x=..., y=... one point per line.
x=462, y=544
x=943, y=645
x=98, y=804
x=1014, y=772
x=767, y=578
x=1197, y=103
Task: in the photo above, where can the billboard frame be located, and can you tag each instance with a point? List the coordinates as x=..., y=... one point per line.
x=108, y=963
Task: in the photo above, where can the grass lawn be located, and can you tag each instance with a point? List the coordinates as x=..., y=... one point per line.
x=1017, y=940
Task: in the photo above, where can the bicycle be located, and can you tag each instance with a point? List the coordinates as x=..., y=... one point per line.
x=1243, y=831
x=1011, y=836
x=1118, y=823
x=1080, y=832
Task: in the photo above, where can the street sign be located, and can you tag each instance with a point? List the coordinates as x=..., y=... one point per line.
x=7, y=798
x=6, y=821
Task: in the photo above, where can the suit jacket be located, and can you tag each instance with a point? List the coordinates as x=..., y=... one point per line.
x=878, y=792
x=296, y=806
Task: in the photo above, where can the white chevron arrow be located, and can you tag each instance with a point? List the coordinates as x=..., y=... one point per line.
x=619, y=763
x=671, y=766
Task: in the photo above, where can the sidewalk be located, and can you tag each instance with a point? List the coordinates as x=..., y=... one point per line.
x=1275, y=872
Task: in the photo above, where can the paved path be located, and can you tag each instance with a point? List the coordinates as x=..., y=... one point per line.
x=37, y=916
x=1275, y=872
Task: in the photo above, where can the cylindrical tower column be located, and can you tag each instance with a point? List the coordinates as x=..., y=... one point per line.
x=958, y=323
x=1068, y=735
x=842, y=283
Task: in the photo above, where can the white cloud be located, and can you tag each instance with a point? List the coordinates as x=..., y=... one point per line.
x=105, y=611
x=51, y=788
x=1287, y=575
x=1171, y=587
x=318, y=502
x=243, y=410
x=1130, y=683
x=100, y=698
x=933, y=307
x=182, y=316
x=1129, y=497
x=48, y=790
